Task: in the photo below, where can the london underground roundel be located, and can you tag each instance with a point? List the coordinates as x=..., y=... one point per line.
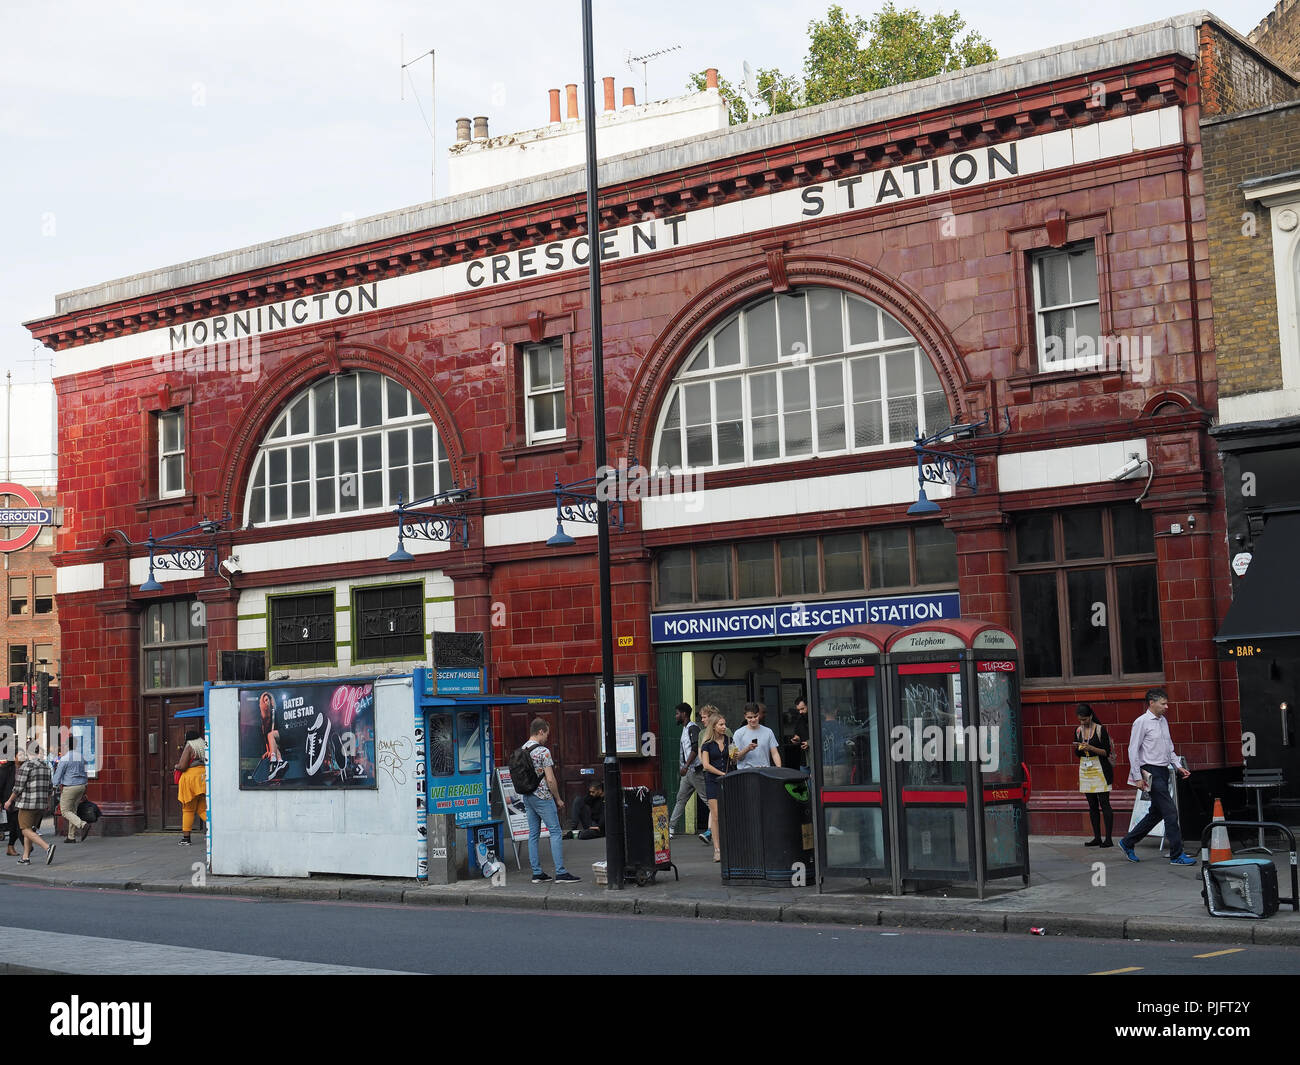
x=29, y=517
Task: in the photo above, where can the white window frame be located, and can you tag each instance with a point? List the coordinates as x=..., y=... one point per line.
x=280, y=438
x=709, y=374
x=1281, y=195
x=1072, y=361
x=531, y=392
x=164, y=419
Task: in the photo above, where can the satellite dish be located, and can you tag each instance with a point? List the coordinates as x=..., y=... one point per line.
x=748, y=82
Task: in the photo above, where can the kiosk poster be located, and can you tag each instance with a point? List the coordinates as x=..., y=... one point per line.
x=299, y=736
x=516, y=812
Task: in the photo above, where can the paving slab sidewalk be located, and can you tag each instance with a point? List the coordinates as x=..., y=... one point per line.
x=1073, y=891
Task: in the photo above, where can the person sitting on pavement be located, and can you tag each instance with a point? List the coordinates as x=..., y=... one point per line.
x=192, y=788
x=587, y=818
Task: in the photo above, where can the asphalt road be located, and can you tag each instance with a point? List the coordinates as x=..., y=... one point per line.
x=371, y=936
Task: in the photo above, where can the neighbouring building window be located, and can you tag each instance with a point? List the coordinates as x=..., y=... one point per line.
x=1067, y=308
x=544, y=392
x=349, y=444
x=388, y=622
x=44, y=595
x=882, y=560
x=1087, y=594
x=171, y=453
x=45, y=653
x=18, y=602
x=799, y=375
x=17, y=663
x=174, y=644
x=302, y=629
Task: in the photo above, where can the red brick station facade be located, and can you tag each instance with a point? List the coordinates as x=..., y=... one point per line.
x=785, y=302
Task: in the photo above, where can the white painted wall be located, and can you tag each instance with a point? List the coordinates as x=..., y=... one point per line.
x=296, y=833
x=252, y=620
x=1063, y=466
x=515, y=157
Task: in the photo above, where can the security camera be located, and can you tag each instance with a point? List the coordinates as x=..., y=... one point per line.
x=231, y=565
x=1128, y=469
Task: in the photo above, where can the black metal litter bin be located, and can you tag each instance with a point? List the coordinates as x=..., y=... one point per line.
x=766, y=825
x=638, y=835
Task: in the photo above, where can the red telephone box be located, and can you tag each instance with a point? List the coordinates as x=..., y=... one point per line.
x=917, y=760
x=846, y=710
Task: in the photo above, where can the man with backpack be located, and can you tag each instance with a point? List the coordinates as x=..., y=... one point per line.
x=689, y=767
x=533, y=774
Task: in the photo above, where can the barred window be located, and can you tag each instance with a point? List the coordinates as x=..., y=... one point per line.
x=174, y=644
x=302, y=629
x=802, y=374
x=389, y=622
x=349, y=444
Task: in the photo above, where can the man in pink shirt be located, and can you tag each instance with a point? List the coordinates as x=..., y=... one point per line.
x=1151, y=757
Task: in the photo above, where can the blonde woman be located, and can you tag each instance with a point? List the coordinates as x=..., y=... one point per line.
x=716, y=755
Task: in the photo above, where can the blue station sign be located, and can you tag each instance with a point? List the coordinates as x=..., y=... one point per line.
x=800, y=619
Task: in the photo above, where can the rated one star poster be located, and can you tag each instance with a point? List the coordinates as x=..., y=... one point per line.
x=300, y=736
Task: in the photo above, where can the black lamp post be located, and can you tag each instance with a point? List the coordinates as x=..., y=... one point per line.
x=614, y=851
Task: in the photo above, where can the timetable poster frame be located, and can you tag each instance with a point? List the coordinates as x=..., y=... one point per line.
x=630, y=724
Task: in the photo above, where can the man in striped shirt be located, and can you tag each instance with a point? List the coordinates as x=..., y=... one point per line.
x=1151, y=759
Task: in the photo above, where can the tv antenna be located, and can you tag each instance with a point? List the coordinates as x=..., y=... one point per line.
x=433, y=89
x=645, y=61
x=781, y=83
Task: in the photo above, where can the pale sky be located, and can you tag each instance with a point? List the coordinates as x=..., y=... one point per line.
x=141, y=133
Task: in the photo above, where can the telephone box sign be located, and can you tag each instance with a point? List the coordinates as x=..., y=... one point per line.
x=844, y=645
x=994, y=640
x=29, y=519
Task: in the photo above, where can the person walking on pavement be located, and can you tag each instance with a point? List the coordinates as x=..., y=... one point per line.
x=32, y=797
x=755, y=741
x=192, y=788
x=70, y=785
x=716, y=756
x=1096, y=774
x=689, y=767
x=543, y=807
x=1151, y=758
x=7, y=768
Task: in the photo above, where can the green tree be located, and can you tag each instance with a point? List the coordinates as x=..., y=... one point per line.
x=776, y=93
x=852, y=55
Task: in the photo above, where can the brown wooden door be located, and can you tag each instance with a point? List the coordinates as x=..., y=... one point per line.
x=162, y=809
x=573, y=726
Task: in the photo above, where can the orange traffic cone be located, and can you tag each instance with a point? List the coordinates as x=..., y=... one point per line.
x=1220, y=848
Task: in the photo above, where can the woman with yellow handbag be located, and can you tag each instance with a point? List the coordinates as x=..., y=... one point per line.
x=1092, y=747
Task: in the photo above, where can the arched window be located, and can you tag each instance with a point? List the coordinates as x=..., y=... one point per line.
x=807, y=373
x=349, y=444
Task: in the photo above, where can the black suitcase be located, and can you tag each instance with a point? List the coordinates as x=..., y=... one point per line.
x=1243, y=887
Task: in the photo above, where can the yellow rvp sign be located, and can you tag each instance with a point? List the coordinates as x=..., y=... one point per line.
x=625, y=641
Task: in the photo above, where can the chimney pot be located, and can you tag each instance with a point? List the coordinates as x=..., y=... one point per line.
x=480, y=127
x=629, y=96
x=711, y=78
x=462, y=130
x=555, y=105
x=571, y=91
x=609, y=93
